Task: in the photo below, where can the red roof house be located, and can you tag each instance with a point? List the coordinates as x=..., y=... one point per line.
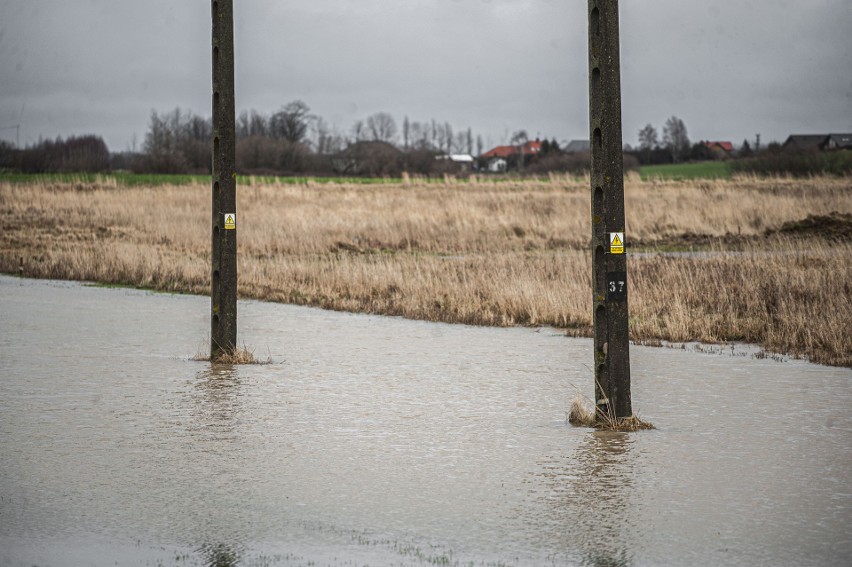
x=720, y=149
x=529, y=149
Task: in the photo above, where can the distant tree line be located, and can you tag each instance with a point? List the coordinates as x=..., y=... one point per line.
x=87, y=154
x=293, y=141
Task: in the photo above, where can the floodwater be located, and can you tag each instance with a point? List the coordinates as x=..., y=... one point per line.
x=379, y=441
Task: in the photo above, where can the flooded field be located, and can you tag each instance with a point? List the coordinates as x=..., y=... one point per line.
x=383, y=441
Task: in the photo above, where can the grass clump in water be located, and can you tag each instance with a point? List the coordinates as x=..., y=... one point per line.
x=237, y=356
x=583, y=414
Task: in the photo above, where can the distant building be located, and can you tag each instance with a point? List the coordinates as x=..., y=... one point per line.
x=499, y=157
x=720, y=150
x=465, y=162
x=497, y=165
x=528, y=149
x=805, y=141
x=819, y=142
x=577, y=146
x=838, y=142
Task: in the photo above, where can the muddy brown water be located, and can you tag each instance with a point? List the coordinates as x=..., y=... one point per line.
x=381, y=441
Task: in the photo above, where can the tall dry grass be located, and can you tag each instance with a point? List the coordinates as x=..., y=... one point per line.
x=476, y=252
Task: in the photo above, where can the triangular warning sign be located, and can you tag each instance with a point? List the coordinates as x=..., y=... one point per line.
x=616, y=243
x=230, y=221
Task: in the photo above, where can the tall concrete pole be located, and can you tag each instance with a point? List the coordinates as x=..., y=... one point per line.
x=609, y=261
x=223, y=297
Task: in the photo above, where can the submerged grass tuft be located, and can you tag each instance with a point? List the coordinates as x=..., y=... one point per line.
x=242, y=355
x=583, y=414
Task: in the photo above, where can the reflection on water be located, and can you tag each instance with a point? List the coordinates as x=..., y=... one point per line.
x=214, y=400
x=603, y=484
x=219, y=555
x=380, y=441
x=583, y=500
x=214, y=404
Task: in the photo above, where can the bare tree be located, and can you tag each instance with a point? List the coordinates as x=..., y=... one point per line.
x=327, y=139
x=460, y=143
x=519, y=138
x=382, y=127
x=359, y=133
x=258, y=124
x=320, y=135
x=406, y=131
x=420, y=136
x=443, y=137
x=291, y=122
x=648, y=140
x=648, y=137
x=243, y=125
x=177, y=141
x=675, y=138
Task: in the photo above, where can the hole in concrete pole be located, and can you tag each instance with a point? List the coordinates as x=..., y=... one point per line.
x=216, y=192
x=596, y=83
x=597, y=205
x=597, y=138
x=215, y=56
x=216, y=101
x=215, y=149
x=595, y=21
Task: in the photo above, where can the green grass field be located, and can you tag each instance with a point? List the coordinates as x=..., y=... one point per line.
x=681, y=171
x=136, y=179
x=127, y=179
x=120, y=178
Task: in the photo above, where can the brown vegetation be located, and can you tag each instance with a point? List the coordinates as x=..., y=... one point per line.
x=239, y=356
x=478, y=252
x=583, y=413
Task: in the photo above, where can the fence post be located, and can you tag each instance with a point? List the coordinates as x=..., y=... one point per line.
x=609, y=258
x=223, y=297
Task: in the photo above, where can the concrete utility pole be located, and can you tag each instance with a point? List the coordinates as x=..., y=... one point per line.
x=609, y=261
x=223, y=296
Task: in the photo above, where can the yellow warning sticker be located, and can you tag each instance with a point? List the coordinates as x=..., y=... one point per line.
x=230, y=221
x=616, y=243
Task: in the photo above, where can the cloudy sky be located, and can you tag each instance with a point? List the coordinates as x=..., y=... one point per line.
x=729, y=68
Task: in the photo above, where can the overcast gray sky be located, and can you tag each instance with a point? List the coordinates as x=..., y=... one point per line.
x=729, y=68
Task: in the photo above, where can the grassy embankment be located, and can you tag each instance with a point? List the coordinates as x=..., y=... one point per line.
x=507, y=253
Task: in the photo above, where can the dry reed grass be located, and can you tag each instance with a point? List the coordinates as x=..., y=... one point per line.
x=239, y=356
x=583, y=413
x=509, y=253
